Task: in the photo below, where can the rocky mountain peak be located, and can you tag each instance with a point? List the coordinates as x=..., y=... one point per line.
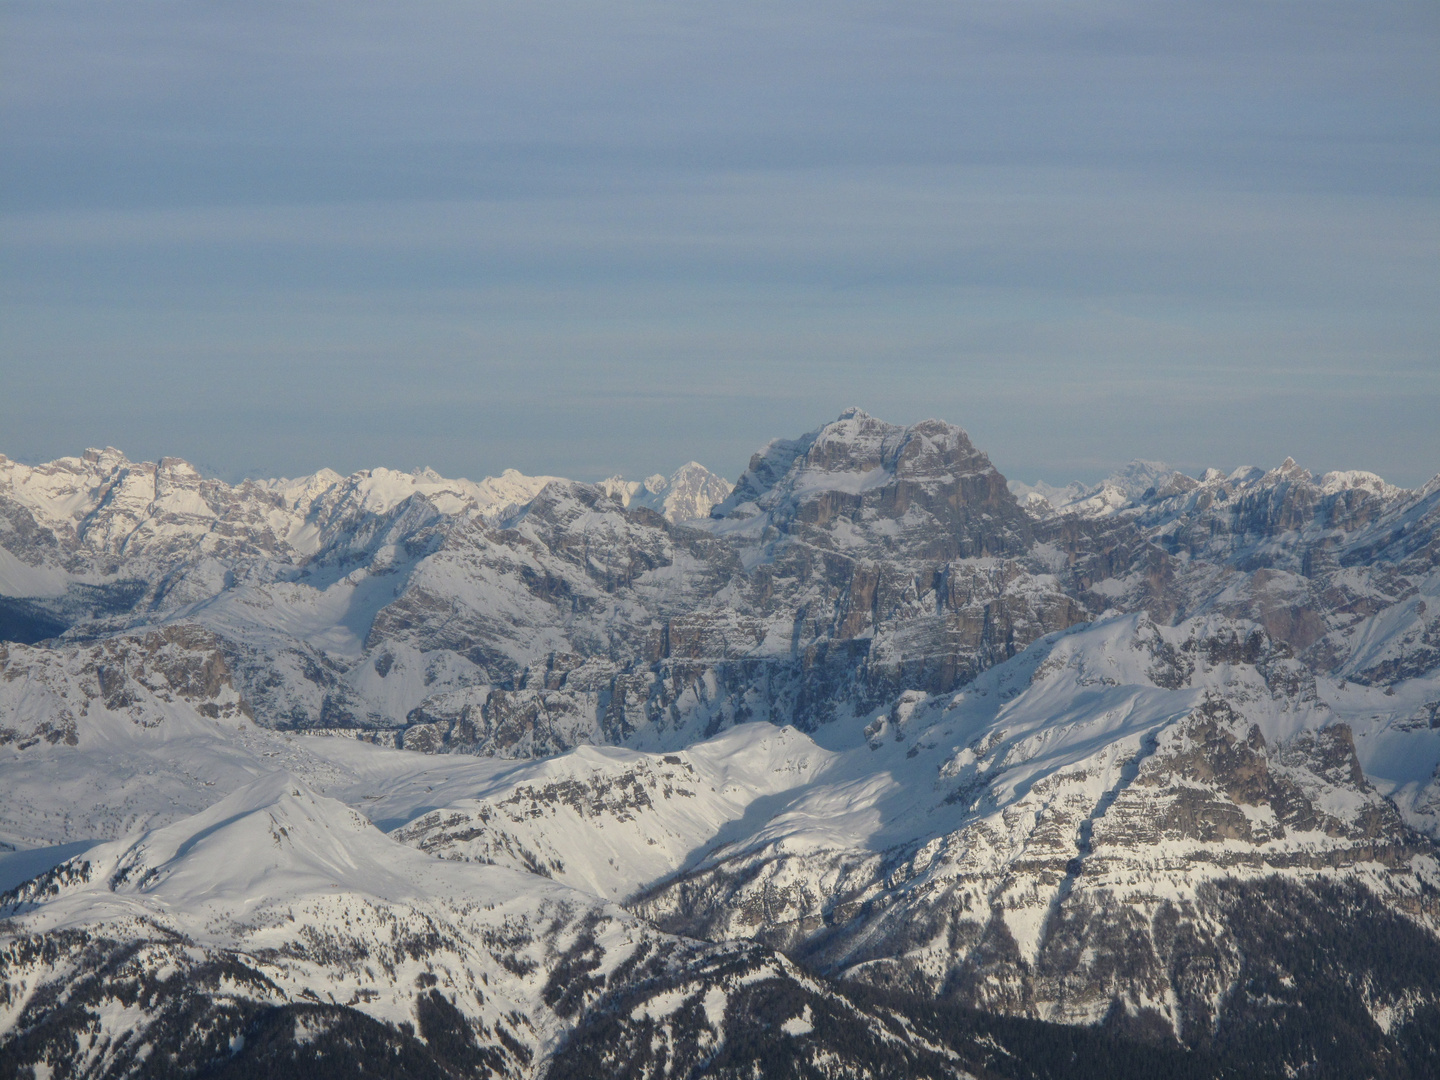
x=174, y=466
x=854, y=454
x=859, y=481
x=1289, y=470
x=1356, y=479
x=107, y=458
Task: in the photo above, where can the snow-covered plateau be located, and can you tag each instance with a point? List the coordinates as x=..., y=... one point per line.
x=872, y=764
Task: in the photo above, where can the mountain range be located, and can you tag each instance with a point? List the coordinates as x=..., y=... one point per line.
x=871, y=764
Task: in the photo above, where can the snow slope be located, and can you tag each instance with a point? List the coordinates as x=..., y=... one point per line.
x=322, y=906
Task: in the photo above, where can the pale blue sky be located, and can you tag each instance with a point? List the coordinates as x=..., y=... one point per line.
x=589, y=238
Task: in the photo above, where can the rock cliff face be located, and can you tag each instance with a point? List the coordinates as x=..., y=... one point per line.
x=1158, y=760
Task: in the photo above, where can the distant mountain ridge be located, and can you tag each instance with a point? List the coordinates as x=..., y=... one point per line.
x=686, y=495
x=1141, y=481
x=98, y=522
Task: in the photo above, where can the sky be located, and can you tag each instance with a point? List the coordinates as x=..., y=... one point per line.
x=594, y=238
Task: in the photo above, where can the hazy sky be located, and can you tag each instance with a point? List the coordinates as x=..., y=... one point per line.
x=589, y=238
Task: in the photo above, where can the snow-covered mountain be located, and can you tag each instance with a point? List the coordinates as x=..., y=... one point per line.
x=330, y=940
x=1124, y=771
x=530, y=774
x=687, y=494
